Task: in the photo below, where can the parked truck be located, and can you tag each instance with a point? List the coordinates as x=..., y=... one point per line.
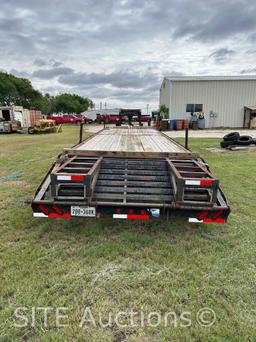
x=130, y=173
x=124, y=116
x=11, y=118
x=69, y=119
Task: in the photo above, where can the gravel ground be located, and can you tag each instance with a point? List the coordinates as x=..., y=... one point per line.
x=207, y=133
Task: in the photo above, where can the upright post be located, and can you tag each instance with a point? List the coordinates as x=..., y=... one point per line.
x=81, y=132
x=186, y=138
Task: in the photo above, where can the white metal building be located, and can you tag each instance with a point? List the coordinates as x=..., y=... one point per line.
x=223, y=99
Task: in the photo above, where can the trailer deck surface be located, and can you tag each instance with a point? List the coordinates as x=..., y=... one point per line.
x=131, y=140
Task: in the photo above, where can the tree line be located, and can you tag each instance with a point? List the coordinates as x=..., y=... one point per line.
x=20, y=92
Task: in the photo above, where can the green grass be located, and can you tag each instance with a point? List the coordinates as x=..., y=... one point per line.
x=112, y=266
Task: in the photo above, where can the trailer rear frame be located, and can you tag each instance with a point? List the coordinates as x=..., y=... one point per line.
x=131, y=185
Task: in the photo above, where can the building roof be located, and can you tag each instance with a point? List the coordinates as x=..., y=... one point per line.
x=251, y=108
x=210, y=78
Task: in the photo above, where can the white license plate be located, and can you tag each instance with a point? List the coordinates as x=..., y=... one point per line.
x=83, y=211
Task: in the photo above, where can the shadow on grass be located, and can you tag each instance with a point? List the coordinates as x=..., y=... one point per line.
x=109, y=228
x=108, y=238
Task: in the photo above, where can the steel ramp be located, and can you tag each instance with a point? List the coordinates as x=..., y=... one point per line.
x=129, y=181
x=193, y=183
x=74, y=178
x=152, y=182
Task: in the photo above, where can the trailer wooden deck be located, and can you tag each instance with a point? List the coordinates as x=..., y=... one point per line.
x=130, y=139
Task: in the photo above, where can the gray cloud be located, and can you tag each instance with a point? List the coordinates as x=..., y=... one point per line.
x=18, y=73
x=217, y=20
x=127, y=21
x=251, y=52
x=51, y=73
x=45, y=62
x=248, y=71
x=109, y=46
x=120, y=79
x=221, y=55
x=101, y=92
x=40, y=62
x=56, y=64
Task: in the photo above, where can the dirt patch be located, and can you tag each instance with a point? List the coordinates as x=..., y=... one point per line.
x=216, y=149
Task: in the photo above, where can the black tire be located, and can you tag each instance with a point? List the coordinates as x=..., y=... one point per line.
x=234, y=136
x=31, y=130
x=244, y=140
x=225, y=144
x=254, y=141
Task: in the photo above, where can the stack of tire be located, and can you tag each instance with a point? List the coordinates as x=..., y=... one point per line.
x=235, y=139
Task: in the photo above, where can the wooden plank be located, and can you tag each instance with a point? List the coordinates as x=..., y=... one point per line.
x=86, y=160
x=133, y=140
x=134, y=167
x=90, y=137
x=133, y=177
x=133, y=183
x=133, y=161
x=189, y=168
x=43, y=189
x=149, y=198
x=196, y=197
x=111, y=177
x=108, y=196
x=71, y=192
x=95, y=167
x=132, y=172
x=106, y=189
x=124, y=154
x=80, y=164
x=60, y=167
x=190, y=174
x=75, y=169
x=131, y=197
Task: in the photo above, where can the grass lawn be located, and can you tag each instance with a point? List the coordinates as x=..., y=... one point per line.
x=98, y=268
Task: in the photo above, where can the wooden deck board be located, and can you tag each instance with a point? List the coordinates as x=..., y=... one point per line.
x=131, y=140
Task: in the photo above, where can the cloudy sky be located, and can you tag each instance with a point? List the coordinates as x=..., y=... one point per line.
x=119, y=51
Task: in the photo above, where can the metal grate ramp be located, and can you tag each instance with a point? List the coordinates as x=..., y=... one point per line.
x=74, y=178
x=193, y=183
x=129, y=181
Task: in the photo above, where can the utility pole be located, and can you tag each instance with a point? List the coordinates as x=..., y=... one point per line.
x=147, y=108
x=105, y=105
x=100, y=105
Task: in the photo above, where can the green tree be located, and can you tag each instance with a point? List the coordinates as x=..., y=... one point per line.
x=8, y=91
x=164, y=110
x=70, y=103
x=20, y=92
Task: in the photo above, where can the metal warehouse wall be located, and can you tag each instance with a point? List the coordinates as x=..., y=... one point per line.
x=225, y=98
x=165, y=93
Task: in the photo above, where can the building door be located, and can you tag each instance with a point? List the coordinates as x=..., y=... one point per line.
x=6, y=114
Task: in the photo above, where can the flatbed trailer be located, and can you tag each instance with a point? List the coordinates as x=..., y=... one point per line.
x=131, y=173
